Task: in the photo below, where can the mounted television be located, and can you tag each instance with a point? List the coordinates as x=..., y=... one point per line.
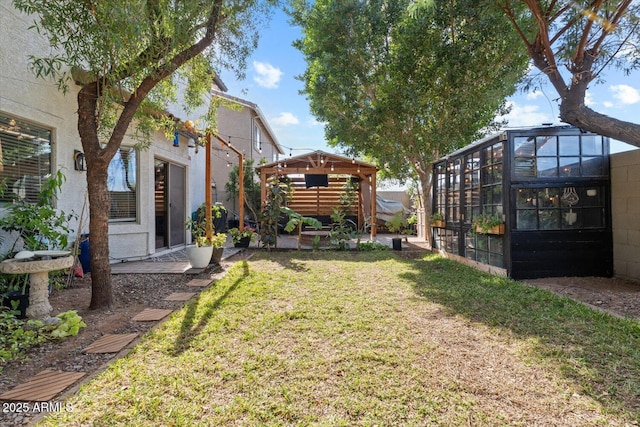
x=316, y=180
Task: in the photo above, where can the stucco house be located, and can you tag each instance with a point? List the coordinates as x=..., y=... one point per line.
x=152, y=191
x=244, y=126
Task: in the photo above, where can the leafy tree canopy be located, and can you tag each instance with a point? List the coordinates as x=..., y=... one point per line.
x=406, y=86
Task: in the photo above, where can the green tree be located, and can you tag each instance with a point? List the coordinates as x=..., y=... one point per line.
x=571, y=43
x=129, y=56
x=406, y=86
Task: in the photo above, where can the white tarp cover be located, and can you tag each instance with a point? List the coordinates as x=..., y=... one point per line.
x=387, y=209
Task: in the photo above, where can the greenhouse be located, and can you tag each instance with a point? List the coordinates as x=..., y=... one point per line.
x=527, y=203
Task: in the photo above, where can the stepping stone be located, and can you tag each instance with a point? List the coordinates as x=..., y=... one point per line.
x=199, y=283
x=110, y=343
x=180, y=296
x=43, y=386
x=151, y=315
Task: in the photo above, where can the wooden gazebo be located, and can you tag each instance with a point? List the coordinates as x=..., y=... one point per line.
x=319, y=178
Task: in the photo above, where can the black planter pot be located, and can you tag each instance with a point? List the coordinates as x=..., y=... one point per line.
x=8, y=299
x=216, y=257
x=397, y=243
x=243, y=243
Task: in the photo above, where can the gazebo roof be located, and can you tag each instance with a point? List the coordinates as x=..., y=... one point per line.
x=318, y=162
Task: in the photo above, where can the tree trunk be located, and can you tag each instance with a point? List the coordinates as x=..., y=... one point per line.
x=97, y=172
x=424, y=175
x=573, y=111
x=101, y=291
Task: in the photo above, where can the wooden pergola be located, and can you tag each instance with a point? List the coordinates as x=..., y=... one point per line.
x=322, y=163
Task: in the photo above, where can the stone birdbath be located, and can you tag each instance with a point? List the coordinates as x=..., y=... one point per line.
x=37, y=264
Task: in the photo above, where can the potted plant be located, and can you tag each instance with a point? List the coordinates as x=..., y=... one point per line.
x=14, y=293
x=437, y=220
x=395, y=225
x=199, y=253
x=217, y=242
x=488, y=224
x=242, y=239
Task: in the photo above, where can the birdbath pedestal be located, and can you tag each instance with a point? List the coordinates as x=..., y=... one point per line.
x=38, y=267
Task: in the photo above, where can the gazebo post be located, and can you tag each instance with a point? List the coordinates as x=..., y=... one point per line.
x=241, y=191
x=374, y=231
x=240, y=179
x=208, y=222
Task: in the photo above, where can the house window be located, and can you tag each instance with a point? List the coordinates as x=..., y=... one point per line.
x=121, y=184
x=257, y=137
x=25, y=159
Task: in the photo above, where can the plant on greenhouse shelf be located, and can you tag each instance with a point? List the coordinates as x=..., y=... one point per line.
x=437, y=220
x=488, y=224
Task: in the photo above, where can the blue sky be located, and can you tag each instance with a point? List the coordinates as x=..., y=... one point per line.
x=271, y=84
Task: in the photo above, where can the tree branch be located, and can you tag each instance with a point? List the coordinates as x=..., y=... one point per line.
x=161, y=72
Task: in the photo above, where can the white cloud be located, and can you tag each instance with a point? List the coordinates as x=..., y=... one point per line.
x=625, y=94
x=285, y=119
x=607, y=104
x=588, y=100
x=526, y=115
x=268, y=76
x=535, y=94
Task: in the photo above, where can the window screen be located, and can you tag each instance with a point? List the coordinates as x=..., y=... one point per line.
x=121, y=183
x=25, y=159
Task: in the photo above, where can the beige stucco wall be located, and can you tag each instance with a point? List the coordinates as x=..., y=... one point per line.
x=237, y=126
x=28, y=98
x=625, y=207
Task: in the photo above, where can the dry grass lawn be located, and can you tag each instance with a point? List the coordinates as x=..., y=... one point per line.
x=344, y=338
